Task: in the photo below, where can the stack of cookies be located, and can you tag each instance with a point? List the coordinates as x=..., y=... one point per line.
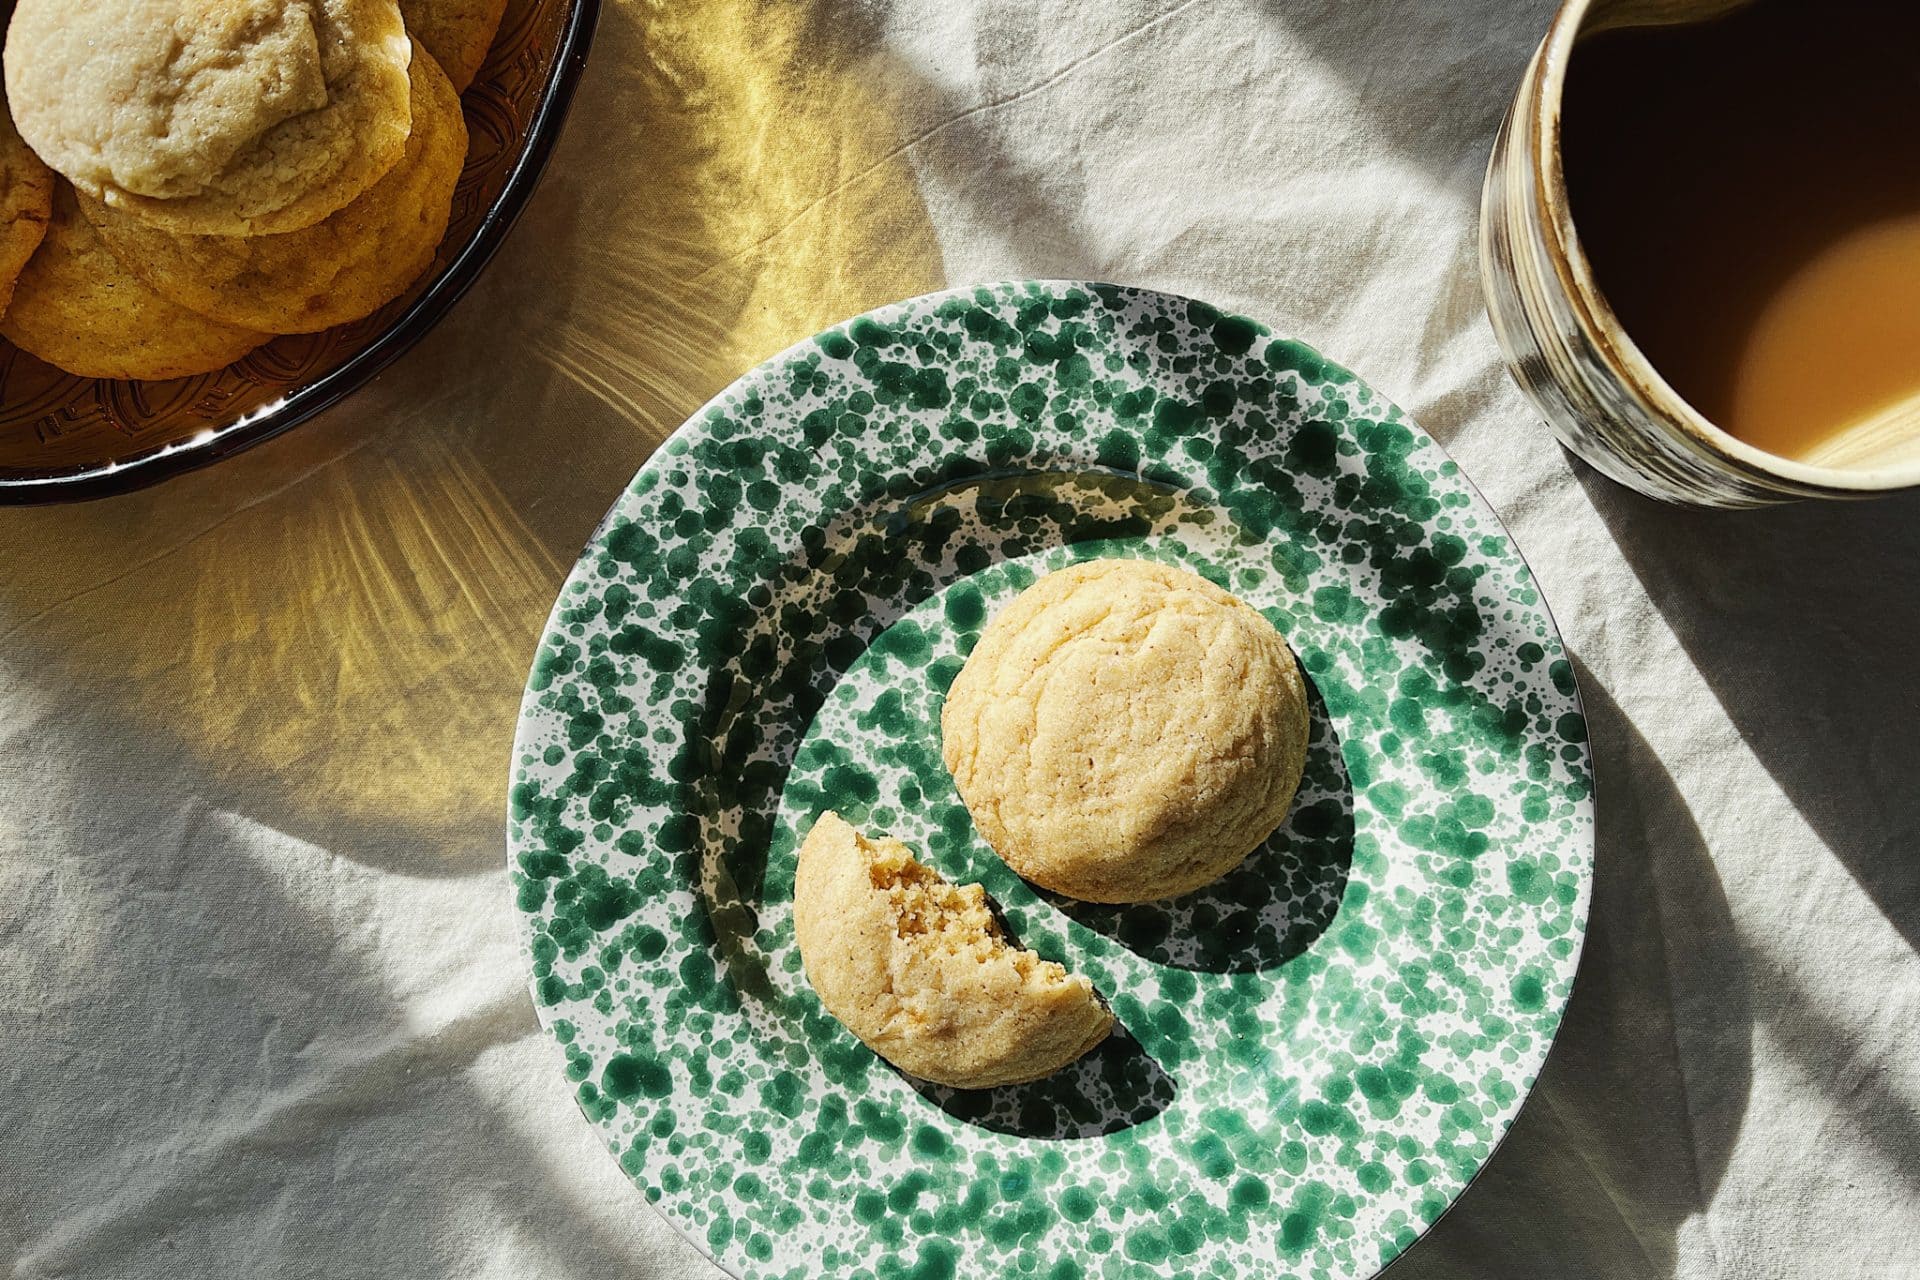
x=181, y=180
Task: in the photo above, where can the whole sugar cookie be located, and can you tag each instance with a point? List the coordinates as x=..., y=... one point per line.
x=1126, y=731
x=918, y=968
x=228, y=117
x=26, y=202
x=458, y=33
x=343, y=267
x=76, y=308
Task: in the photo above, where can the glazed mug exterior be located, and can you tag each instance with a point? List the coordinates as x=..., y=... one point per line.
x=1563, y=343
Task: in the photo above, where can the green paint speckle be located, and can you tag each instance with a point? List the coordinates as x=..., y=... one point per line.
x=629, y=1076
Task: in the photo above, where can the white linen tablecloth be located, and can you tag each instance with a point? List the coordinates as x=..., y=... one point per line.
x=262, y=1005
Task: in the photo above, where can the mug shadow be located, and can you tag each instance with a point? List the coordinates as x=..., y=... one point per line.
x=1816, y=670
x=1115, y=1086
x=1270, y=908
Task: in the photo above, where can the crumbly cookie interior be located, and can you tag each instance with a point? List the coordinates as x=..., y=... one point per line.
x=954, y=919
x=922, y=970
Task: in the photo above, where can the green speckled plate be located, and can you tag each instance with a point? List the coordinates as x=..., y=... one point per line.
x=1319, y=1051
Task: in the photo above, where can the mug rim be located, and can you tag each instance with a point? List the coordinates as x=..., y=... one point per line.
x=1604, y=327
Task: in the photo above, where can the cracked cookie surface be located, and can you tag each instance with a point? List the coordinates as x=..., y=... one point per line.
x=344, y=267
x=239, y=117
x=1126, y=731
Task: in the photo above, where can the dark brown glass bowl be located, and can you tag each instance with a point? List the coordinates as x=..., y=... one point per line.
x=63, y=438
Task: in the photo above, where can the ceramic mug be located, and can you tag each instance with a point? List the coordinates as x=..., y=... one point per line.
x=1563, y=343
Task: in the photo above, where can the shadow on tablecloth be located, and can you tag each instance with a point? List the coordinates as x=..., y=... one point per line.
x=1805, y=622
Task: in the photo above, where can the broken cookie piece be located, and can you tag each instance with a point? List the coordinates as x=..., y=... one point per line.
x=919, y=969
